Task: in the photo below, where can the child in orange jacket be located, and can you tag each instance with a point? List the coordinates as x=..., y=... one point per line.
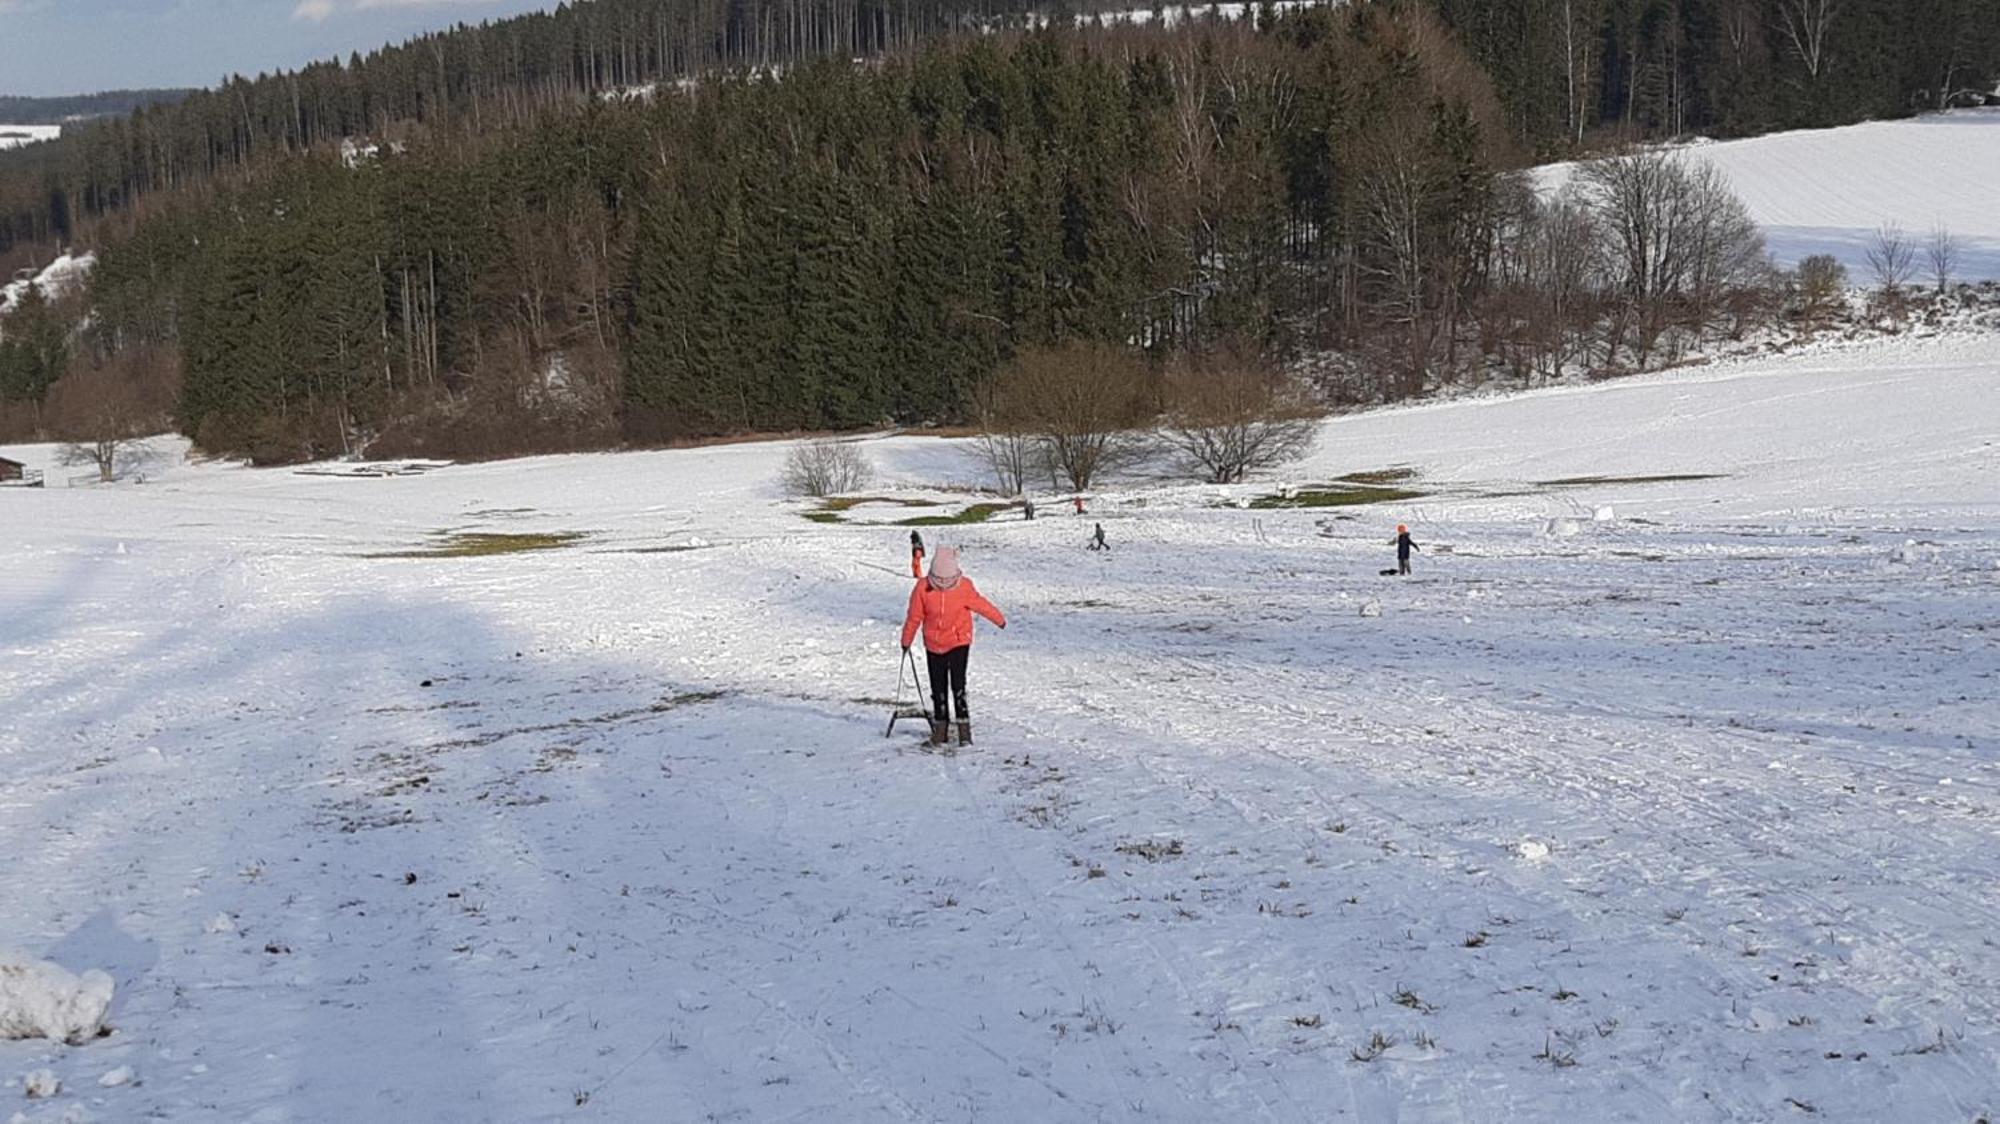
x=942, y=605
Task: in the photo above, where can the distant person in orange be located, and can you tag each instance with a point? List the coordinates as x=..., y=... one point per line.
x=1404, y=546
x=942, y=605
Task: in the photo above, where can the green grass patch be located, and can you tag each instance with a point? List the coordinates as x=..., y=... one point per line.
x=977, y=513
x=849, y=503
x=482, y=544
x=823, y=516
x=1669, y=478
x=1332, y=496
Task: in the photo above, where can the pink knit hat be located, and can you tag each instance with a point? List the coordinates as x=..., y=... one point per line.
x=944, y=568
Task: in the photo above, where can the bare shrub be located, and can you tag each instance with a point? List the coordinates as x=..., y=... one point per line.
x=1231, y=412
x=1081, y=402
x=1892, y=257
x=518, y=405
x=826, y=467
x=1821, y=285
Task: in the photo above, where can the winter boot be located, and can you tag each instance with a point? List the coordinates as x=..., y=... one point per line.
x=940, y=733
x=965, y=733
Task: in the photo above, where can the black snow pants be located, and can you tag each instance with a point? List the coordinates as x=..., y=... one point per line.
x=948, y=670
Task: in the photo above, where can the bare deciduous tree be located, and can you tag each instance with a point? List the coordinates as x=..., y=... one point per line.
x=1006, y=448
x=1805, y=24
x=1943, y=252
x=826, y=467
x=105, y=412
x=1231, y=412
x=1892, y=257
x=1679, y=239
x=1081, y=402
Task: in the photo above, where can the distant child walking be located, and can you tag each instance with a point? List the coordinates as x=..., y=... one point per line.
x=1403, y=547
x=942, y=605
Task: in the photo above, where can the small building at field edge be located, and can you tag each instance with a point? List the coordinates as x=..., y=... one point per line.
x=12, y=470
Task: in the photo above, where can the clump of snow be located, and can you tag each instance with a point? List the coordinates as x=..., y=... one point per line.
x=1560, y=528
x=1604, y=514
x=39, y=999
x=1531, y=850
x=220, y=925
x=1912, y=552
x=1371, y=608
x=123, y=1075
x=42, y=1084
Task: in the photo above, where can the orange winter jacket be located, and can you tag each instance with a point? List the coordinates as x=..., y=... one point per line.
x=946, y=614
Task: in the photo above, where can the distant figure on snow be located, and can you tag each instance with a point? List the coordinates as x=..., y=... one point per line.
x=1403, y=547
x=1097, y=540
x=1028, y=509
x=916, y=556
x=942, y=605
x=1079, y=505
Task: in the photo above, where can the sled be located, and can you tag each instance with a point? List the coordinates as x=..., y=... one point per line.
x=903, y=713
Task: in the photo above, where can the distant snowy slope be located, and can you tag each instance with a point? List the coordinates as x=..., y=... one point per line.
x=14, y=136
x=1906, y=425
x=1825, y=191
x=57, y=280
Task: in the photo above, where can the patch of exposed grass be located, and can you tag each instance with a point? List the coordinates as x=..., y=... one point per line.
x=483, y=544
x=1380, y=476
x=977, y=513
x=849, y=503
x=1667, y=478
x=834, y=509
x=1336, y=496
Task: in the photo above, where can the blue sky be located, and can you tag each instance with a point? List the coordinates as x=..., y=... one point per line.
x=50, y=47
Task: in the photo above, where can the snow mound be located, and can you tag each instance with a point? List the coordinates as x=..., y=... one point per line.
x=42, y=1083
x=43, y=1000
x=1531, y=850
x=1371, y=608
x=1912, y=553
x=123, y=1075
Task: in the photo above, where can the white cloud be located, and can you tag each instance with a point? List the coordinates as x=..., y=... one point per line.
x=315, y=11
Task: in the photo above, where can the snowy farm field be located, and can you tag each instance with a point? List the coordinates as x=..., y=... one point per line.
x=1827, y=191
x=1688, y=812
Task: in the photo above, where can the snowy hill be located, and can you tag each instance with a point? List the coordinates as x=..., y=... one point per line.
x=1826, y=191
x=557, y=788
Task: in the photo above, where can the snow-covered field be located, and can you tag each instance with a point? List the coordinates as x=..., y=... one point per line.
x=15, y=136
x=1827, y=191
x=1690, y=813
